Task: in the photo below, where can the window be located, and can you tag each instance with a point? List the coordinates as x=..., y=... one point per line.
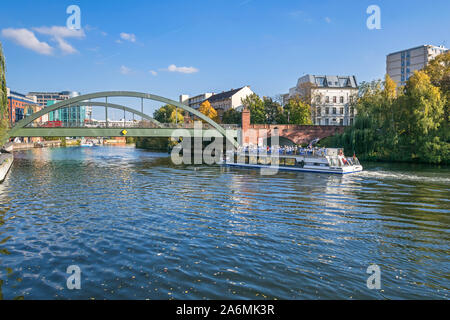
x=352, y=110
x=319, y=111
x=341, y=122
x=334, y=99
x=327, y=110
x=351, y=121
x=327, y=99
x=342, y=110
x=341, y=99
x=327, y=122
x=318, y=99
x=334, y=110
x=289, y=162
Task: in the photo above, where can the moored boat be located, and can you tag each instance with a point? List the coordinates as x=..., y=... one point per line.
x=86, y=144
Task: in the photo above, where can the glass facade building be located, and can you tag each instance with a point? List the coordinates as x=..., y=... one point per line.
x=70, y=117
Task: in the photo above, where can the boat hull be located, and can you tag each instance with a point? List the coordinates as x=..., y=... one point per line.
x=341, y=171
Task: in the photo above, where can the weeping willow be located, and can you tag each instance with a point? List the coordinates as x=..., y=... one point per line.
x=407, y=126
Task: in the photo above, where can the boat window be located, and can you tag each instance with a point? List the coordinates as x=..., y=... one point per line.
x=263, y=160
x=247, y=160
x=334, y=162
x=290, y=162
x=253, y=160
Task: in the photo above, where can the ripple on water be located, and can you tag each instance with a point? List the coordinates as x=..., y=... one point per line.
x=140, y=228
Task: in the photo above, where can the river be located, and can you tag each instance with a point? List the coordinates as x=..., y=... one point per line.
x=139, y=227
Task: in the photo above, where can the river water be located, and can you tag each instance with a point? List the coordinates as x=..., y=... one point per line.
x=139, y=227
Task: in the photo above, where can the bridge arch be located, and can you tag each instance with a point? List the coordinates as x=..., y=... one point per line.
x=84, y=100
x=117, y=106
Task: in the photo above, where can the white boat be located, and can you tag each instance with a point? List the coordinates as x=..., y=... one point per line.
x=305, y=160
x=86, y=144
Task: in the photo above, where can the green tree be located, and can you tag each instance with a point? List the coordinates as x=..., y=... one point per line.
x=272, y=110
x=168, y=114
x=232, y=116
x=422, y=110
x=3, y=98
x=297, y=112
x=398, y=124
x=257, y=110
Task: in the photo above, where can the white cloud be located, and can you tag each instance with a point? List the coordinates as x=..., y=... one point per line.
x=125, y=70
x=174, y=68
x=153, y=72
x=327, y=20
x=128, y=37
x=59, y=34
x=27, y=39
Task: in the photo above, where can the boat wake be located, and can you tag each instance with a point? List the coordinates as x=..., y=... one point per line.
x=388, y=175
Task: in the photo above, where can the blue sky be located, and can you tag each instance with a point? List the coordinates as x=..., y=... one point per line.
x=212, y=45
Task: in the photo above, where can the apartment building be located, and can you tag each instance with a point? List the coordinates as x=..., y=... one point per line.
x=332, y=98
x=195, y=102
x=400, y=65
x=221, y=102
x=20, y=106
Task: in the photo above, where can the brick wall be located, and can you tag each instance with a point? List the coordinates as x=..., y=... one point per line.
x=253, y=133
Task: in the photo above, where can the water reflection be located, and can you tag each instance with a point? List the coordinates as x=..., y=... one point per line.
x=140, y=227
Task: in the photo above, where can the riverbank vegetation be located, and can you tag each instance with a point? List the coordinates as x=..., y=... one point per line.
x=406, y=124
x=270, y=111
x=3, y=99
x=165, y=114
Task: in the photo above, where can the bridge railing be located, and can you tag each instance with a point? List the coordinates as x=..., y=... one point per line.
x=125, y=124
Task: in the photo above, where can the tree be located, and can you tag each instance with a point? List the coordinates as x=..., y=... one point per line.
x=176, y=116
x=256, y=107
x=422, y=110
x=168, y=114
x=439, y=72
x=298, y=112
x=3, y=98
x=399, y=125
x=209, y=111
x=273, y=110
x=390, y=88
x=232, y=116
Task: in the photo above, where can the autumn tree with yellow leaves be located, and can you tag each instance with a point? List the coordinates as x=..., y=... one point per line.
x=209, y=111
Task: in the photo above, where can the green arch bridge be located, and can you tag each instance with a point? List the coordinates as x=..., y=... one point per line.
x=28, y=128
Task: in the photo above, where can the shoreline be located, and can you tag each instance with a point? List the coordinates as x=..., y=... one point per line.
x=6, y=161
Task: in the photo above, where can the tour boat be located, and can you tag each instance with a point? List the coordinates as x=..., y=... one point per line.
x=325, y=160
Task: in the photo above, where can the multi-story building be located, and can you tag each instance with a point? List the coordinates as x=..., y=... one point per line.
x=400, y=66
x=230, y=100
x=332, y=98
x=195, y=102
x=20, y=106
x=69, y=116
x=221, y=102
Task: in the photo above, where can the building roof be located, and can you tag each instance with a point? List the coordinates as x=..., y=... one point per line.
x=329, y=81
x=224, y=95
x=422, y=46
